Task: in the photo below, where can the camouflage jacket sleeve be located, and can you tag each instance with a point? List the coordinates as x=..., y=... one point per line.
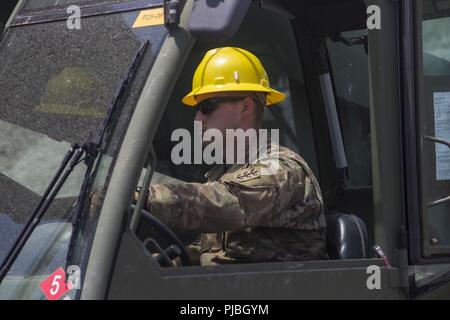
x=287, y=199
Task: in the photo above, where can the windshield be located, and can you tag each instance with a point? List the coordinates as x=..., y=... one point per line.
x=56, y=86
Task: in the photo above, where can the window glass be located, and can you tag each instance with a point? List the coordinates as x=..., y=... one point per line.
x=436, y=47
x=349, y=67
x=434, y=122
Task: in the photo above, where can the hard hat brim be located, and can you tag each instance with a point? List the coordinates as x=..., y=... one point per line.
x=273, y=96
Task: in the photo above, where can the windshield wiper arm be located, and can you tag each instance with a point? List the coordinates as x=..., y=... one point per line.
x=94, y=149
x=69, y=162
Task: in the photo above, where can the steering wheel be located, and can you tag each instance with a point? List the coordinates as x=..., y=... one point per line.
x=177, y=248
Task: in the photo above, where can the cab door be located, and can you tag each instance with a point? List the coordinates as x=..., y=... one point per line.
x=427, y=141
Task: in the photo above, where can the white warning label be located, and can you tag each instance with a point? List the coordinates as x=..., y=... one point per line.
x=441, y=101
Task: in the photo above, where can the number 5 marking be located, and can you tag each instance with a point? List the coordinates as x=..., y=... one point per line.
x=55, y=283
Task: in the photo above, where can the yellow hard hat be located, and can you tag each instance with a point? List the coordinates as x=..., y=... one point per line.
x=230, y=69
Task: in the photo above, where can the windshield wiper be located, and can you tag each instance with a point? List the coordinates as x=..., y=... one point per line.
x=73, y=157
x=97, y=147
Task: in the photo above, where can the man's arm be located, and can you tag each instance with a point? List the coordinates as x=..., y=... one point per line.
x=238, y=201
x=198, y=207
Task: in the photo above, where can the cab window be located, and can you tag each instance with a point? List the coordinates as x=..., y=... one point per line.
x=348, y=65
x=434, y=117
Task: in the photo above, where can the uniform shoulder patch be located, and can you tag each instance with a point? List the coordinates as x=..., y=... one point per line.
x=247, y=174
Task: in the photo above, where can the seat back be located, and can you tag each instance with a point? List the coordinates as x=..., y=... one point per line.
x=346, y=236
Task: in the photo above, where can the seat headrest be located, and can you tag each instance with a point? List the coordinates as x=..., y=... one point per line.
x=346, y=236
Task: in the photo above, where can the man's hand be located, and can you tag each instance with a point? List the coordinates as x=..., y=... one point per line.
x=136, y=194
x=97, y=196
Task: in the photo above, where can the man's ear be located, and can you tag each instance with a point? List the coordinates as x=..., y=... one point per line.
x=247, y=105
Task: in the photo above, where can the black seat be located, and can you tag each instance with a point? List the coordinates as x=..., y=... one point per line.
x=346, y=236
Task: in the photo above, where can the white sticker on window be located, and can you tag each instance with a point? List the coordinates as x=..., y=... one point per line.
x=442, y=131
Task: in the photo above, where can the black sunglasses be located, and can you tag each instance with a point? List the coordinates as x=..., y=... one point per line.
x=208, y=106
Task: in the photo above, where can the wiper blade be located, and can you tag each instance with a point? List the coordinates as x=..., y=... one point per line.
x=94, y=149
x=119, y=98
x=69, y=162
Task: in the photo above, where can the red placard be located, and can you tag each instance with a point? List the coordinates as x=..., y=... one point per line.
x=54, y=287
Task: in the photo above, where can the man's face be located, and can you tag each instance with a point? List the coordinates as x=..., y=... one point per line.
x=221, y=115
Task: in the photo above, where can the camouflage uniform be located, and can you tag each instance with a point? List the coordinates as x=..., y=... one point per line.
x=245, y=216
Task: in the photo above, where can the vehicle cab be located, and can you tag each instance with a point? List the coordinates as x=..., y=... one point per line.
x=368, y=100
